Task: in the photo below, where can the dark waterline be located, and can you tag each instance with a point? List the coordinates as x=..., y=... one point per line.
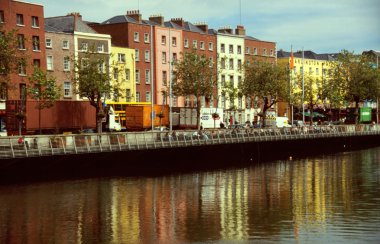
x=327, y=199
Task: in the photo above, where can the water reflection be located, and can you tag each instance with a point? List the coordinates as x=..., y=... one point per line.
x=331, y=198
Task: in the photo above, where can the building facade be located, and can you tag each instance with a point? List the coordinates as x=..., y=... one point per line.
x=27, y=19
x=132, y=31
x=123, y=76
x=69, y=38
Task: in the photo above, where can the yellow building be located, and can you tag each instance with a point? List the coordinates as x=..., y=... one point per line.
x=123, y=74
x=315, y=67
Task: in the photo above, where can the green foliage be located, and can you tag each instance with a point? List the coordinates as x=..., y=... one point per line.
x=10, y=57
x=357, y=78
x=194, y=76
x=264, y=80
x=43, y=88
x=92, y=79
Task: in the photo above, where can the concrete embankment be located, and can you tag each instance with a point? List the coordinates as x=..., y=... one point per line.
x=174, y=159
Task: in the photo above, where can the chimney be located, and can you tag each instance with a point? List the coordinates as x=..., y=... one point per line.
x=178, y=21
x=135, y=14
x=75, y=14
x=159, y=19
x=203, y=26
x=240, y=30
x=225, y=29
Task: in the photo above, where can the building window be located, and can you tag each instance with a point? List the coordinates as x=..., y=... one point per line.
x=210, y=46
x=240, y=102
x=271, y=52
x=186, y=43
x=84, y=46
x=210, y=62
x=222, y=48
x=147, y=76
x=254, y=51
x=127, y=74
x=22, y=89
x=163, y=40
x=231, y=63
x=264, y=51
x=121, y=57
x=36, y=43
x=137, y=55
x=174, y=41
x=164, y=78
x=223, y=63
x=115, y=74
x=65, y=44
x=19, y=19
x=163, y=57
x=136, y=37
x=239, y=64
x=137, y=76
x=310, y=70
x=35, y=23
x=231, y=49
x=22, y=68
x=49, y=62
x=223, y=81
x=239, y=49
x=202, y=45
x=66, y=63
x=247, y=50
x=195, y=44
x=174, y=59
x=147, y=96
x=21, y=41
x=3, y=91
x=2, y=19
x=147, y=56
x=128, y=94
x=316, y=71
x=49, y=43
x=137, y=96
x=36, y=63
x=146, y=38
x=101, y=67
x=100, y=48
x=232, y=80
x=67, y=89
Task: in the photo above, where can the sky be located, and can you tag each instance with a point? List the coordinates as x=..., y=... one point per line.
x=322, y=26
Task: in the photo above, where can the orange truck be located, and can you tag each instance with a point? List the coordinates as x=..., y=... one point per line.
x=139, y=117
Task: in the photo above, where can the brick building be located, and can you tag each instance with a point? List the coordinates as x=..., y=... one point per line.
x=68, y=38
x=132, y=31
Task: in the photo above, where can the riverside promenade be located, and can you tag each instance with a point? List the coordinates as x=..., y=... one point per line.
x=183, y=149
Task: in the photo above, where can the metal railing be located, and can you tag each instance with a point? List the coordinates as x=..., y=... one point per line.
x=47, y=145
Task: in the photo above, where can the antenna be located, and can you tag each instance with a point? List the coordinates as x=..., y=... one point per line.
x=138, y=4
x=240, y=10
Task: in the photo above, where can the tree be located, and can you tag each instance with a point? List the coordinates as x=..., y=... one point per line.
x=356, y=77
x=194, y=76
x=44, y=89
x=267, y=81
x=92, y=81
x=10, y=57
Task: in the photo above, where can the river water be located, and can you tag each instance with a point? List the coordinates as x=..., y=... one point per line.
x=327, y=199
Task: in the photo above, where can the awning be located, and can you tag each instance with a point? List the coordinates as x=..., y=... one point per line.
x=315, y=115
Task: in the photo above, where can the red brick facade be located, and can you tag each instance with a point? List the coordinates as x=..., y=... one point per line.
x=123, y=35
x=28, y=20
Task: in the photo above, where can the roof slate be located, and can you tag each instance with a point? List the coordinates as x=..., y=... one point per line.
x=67, y=24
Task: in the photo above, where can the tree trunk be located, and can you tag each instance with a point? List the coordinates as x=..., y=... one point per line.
x=198, y=113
